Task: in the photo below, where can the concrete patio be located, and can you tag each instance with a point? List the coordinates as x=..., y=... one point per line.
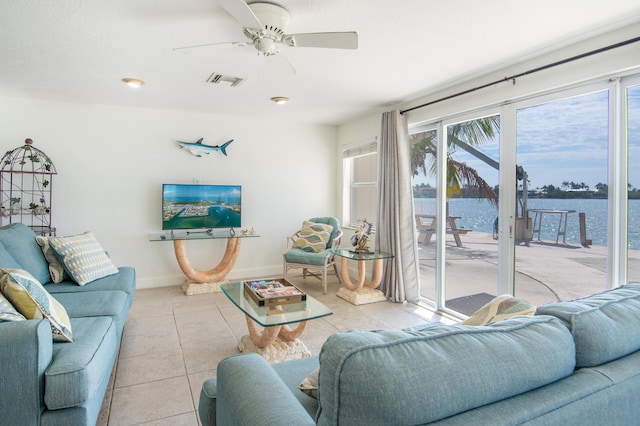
x=545, y=271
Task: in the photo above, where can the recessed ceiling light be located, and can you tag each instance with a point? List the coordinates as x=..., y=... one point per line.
x=280, y=100
x=133, y=82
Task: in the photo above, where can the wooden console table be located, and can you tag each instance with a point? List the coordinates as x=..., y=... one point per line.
x=198, y=281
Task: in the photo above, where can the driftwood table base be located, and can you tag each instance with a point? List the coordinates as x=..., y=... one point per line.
x=200, y=282
x=276, y=343
x=362, y=281
x=362, y=291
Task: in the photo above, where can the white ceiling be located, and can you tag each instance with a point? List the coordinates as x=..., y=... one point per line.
x=79, y=50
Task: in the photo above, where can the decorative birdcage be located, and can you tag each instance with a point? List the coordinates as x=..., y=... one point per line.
x=25, y=188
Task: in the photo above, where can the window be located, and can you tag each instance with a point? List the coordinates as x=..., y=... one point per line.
x=361, y=183
x=632, y=121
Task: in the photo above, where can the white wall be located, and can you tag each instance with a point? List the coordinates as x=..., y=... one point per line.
x=112, y=161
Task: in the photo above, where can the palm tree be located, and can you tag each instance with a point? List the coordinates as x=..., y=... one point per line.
x=459, y=175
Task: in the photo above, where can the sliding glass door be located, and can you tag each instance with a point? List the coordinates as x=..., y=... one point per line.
x=562, y=214
x=565, y=168
x=472, y=177
x=457, y=243
x=631, y=129
x=424, y=151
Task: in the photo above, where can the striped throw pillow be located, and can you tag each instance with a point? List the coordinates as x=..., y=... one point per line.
x=8, y=312
x=29, y=297
x=83, y=257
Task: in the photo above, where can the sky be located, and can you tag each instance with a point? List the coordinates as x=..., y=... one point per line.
x=564, y=140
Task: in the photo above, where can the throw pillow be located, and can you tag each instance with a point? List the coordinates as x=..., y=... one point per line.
x=502, y=307
x=83, y=257
x=8, y=312
x=55, y=267
x=310, y=384
x=34, y=302
x=313, y=237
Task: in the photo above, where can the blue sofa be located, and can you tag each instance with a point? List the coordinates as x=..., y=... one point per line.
x=46, y=382
x=573, y=363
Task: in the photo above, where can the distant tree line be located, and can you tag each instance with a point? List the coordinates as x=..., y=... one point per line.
x=566, y=190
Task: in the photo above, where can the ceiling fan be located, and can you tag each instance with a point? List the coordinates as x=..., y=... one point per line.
x=265, y=23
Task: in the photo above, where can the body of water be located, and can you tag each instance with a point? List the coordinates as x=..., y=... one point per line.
x=478, y=215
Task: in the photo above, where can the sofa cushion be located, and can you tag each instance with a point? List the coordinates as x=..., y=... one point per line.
x=305, y=257
x=292, y=373
x=605, y=326
x=377, y=377
x=83, y=257
x=29, y=297
x=313, y=237
x=124, y=280
x=111, y=303
x=78, y=369
x=20, y=241
x=56, y=269
x=6, y=260
x=248, y=391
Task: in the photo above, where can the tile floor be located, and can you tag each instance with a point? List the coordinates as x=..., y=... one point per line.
x=172, y=343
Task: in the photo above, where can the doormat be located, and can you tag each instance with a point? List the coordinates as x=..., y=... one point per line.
x=468, y=305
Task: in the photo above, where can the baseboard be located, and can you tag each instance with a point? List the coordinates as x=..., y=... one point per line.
x=234, y=275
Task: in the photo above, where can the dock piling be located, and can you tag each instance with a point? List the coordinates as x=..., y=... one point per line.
x=583, y=230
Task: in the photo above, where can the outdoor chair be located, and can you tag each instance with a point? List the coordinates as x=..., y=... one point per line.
x=308, y=249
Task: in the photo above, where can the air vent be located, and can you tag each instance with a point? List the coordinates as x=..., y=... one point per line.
x=219, y=78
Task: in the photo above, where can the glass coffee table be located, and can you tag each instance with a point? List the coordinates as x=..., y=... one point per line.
x=278, y=340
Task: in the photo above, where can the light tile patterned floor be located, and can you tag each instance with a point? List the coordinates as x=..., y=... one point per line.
x=172, y=343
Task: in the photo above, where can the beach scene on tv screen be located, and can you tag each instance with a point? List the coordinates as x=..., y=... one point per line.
x=201, y=206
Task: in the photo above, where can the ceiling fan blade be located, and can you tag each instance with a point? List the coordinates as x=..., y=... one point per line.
x=241, y=12
x=237, y=43
x=344, y=40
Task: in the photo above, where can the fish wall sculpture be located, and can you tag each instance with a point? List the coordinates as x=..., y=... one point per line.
x=198, y=148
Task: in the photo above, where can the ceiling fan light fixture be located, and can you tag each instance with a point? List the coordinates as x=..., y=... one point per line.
x=280, y=100
x=133, y=82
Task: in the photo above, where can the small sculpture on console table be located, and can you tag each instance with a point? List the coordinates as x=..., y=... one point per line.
x=360, y=240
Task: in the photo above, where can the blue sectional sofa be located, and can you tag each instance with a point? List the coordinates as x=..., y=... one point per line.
x=47, y=382
x=573, y=363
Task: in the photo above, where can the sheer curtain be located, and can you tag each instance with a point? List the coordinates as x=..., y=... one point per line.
x=395, y=230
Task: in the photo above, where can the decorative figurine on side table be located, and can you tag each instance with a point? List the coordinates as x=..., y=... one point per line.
x=360, y=240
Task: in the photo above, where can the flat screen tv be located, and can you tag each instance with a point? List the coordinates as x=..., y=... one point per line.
x=201, y=206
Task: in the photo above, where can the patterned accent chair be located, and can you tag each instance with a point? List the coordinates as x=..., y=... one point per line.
x=313, y=263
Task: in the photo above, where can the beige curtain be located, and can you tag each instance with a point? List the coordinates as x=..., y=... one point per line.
x=395, y=230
